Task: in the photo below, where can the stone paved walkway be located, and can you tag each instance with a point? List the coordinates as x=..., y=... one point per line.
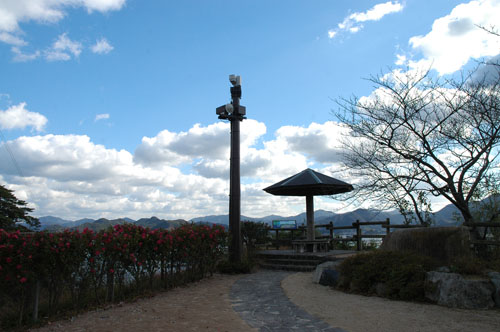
x=259, y=299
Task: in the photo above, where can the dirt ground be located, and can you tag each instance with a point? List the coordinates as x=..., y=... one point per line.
x=356, y=313
x=205, y=306
x=201, y=306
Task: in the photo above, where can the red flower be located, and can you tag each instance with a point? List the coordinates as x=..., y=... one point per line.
x=23, y=280
x=18, y=266
x=8, y=259
x=111, y=271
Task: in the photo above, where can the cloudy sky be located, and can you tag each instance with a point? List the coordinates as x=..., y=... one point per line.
x=107, y=107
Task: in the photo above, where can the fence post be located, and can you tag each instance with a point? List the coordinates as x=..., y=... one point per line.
x=472, y=236
x=358, y=235
x=36, y=300
x=277, y=241
x=110, y=286
x=330, y=245
x=388, y=229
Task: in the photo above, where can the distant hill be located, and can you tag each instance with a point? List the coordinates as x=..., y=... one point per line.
x=156, y=223
x=55, y=224
x=50, y=220
x=447, y=216
x=100, y=224
x=320, y=217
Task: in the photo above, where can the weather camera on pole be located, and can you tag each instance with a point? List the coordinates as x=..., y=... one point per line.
x=235, y=113
x=233, y=110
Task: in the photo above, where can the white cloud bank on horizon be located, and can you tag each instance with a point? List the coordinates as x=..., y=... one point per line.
x=171, y=175
x=18, y=117
x=456, y=38
x=15, y=12
x=354, y=22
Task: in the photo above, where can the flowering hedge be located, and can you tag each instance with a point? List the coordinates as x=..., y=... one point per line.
x=89, y=265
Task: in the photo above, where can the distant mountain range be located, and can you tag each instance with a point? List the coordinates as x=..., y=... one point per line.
x=444, y=217
x=54, y=224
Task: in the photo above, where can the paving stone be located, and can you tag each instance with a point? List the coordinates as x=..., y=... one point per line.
x=259, y=299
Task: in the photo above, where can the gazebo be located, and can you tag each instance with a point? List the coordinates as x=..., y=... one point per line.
x=309, y=183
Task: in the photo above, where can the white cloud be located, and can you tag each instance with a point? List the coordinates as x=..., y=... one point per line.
x=401, y=59
x=72, y=177
x=377, y=12
x=63, y=48
x=455, y=38
x=15, y=12
x=320, y=142
x=102, y=46
x=353, y=22
x=101, y=117
x=11, y=39
x=19, y=56
x=18, y=117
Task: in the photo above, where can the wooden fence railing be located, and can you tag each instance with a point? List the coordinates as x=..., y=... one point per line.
x=357, y=237
x=473, y=228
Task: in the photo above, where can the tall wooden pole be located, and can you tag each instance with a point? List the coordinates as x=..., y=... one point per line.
x=235, y=113
x=235, y=249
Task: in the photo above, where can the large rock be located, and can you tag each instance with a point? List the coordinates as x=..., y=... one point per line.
x=329, y=278
x=453, y=290
x=495, y=280
x=321, y=277
x=444, y=244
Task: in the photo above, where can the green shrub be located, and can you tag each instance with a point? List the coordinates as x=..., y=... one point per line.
x=245, y=266
x=468, y=265
x=253, y=234
x=402, y=274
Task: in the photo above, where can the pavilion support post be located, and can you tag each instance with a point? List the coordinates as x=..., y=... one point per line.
x=310, y=217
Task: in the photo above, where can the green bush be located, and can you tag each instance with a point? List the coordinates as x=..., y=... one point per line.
x=254, y=233
x=401, y=274
x=245, y=266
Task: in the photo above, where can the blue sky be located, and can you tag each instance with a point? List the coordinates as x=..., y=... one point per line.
x=108, y=106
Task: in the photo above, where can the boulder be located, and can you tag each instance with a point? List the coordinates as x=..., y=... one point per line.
x=321, y=268
x=495, y=280
x=329, y=278
x=444, y=244
x=453, y=290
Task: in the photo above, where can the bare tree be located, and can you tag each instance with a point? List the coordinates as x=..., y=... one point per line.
x=417, y=136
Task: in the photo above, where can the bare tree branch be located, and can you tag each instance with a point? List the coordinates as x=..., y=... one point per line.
x=416, y=135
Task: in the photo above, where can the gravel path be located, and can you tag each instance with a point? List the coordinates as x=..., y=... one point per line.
x=356, y=313
x=261, y=302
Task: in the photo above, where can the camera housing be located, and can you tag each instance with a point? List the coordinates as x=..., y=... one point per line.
x=235, y=80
